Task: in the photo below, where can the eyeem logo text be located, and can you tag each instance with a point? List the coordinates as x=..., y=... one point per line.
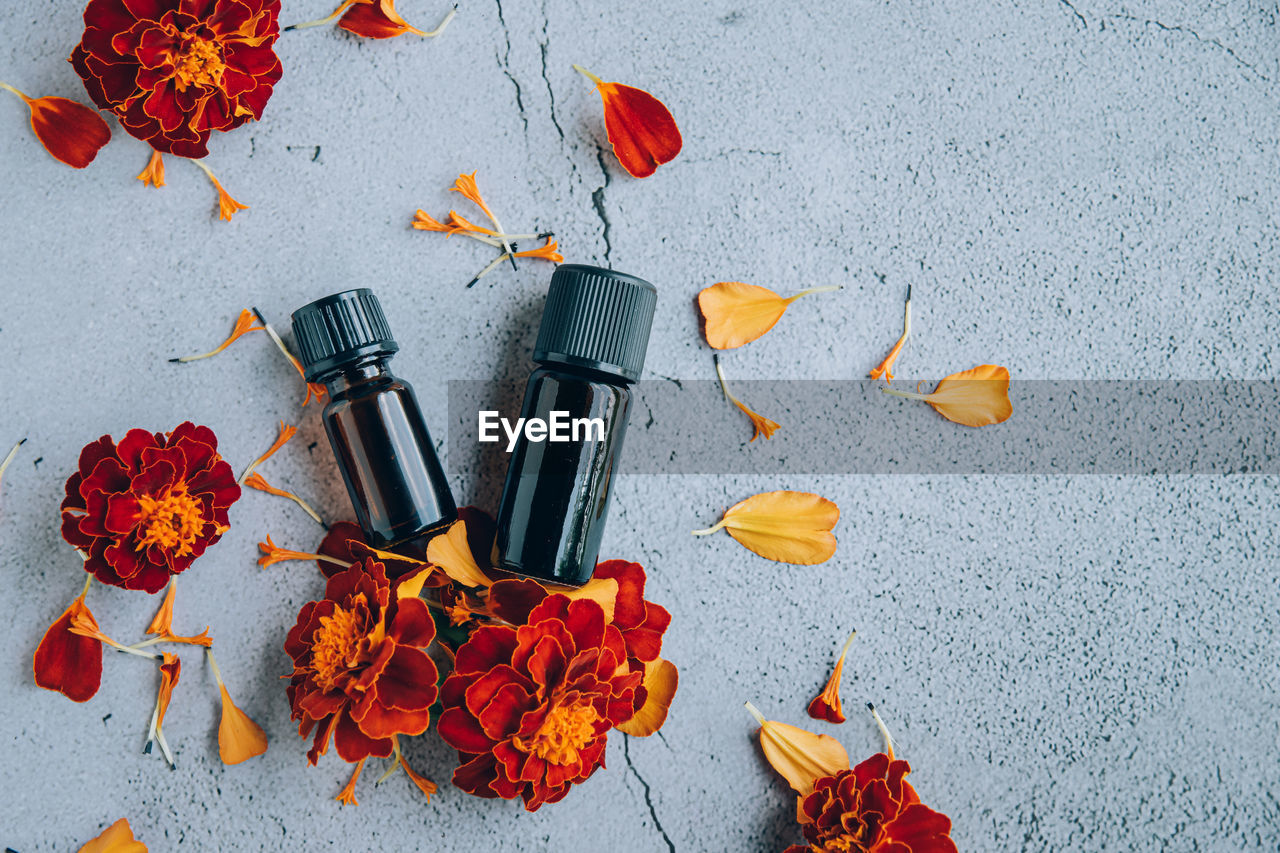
x=558, y=428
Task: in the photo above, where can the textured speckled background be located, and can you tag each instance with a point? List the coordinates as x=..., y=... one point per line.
x=1075, y=189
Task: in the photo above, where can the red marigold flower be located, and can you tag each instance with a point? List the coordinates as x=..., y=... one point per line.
x=360, y=669
x=529, y=708
x=143, y=510
x=871, y=807
x=174, y=71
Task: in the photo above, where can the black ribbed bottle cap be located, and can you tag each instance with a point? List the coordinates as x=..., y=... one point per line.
x=339, y=330
x=596, y=318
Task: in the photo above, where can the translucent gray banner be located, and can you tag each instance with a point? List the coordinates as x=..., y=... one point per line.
x=1142, y=427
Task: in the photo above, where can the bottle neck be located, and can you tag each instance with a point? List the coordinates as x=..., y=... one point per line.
x=589, y=373
x=371, y=369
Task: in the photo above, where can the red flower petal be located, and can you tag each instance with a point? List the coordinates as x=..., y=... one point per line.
x=67, y=662
x=71, y=132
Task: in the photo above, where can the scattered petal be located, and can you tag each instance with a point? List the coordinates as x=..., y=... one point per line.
x=244, y=325
x=162, y=624
x=975, y=397
x=153, y=175
x=239, y=738
x=549, y=251
x=272, y=554
x=761, y=424
x=342, y=7
x=826, y=705
x=227, y=206
x=256, y=481
x=661, y=678
x=452, y=553
x=71, y=132
x=118, y=838
x=801, y=757
x=170, y=670
x=737, y=313
x=286, y=432
x=67, y=662
x=466, y=186
x=347, y=796
x=790, y=527
x=380, y=20
x=885, y=368
x=641, y=129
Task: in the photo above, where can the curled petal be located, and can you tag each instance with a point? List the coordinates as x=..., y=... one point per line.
x=826, y=705
x=661, y=678
x=451, y=551
x=380, y=20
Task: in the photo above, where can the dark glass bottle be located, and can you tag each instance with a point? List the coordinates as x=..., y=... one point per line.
x=591, y=348
x=376, y=429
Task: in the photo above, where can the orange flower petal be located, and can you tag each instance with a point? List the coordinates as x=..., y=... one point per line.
x=380, y=20
x=458, y=223
x=286, y=432
x=975, y=397
x=548, y=251
x=790, y=527
x=759, y=422
x=641, y=129
x=162, y=622
x=466, y=186
x=661, y=678
x=801, y=757
x=170, y=670
x=118, y=838
x=227, y=206
x=603, y=591
x=257, y=481
x=885, y=367
x=67, y=662
x=347, y=796
x=70, y=131
x=239, y=738
x=153, y=175
x=451, y=552
x=272, y=554
x=737, y=313
x=244, y=325
x=425, y=785
x=826, y=705
x=422, y=221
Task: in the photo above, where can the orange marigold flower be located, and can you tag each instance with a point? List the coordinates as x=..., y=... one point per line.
x=641, y=129
x=153, y=175
x=552, y=689
x=118, y=838
x=244, y=325
x=67, y=662
x=71, y=132
x=826, y=705
x=975, y=397
x=871, y=807
x=174, y=71
x=361, y=673
x=143, y=510
x=239, y=737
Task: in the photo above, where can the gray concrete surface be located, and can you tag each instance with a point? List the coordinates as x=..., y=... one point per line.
x=1076, y=189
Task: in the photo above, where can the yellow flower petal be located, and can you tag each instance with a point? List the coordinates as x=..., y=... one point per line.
x=118, y=838
x=737, y=313
x=452, y=553
x=239, y=737
x=801, y=757
x=975, y=397
x=661, y=678
x=790, y=527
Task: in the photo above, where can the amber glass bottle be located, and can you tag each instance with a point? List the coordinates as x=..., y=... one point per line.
x=590, y=349
x=375, y=426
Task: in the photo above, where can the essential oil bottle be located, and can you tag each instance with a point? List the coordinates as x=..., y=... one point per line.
x=590, y=349
x=375, y=426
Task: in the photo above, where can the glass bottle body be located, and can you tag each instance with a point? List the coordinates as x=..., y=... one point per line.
x=556, y=496
x=385, y=454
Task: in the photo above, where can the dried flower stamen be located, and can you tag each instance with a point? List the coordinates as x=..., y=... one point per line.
x=885, y=368
x=244, y=325
x=227, y=206
x=256, y=481
x=272, y=554
x=286, y=432
x=760, y=424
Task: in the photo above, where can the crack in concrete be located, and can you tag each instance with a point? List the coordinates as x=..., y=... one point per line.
x=504, y=64
x=1178, y=28
x=648, y=796
x=597, y=201
x=1075, y=12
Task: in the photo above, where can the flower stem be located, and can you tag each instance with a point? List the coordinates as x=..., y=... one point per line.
x=346, y=4
x=909, y=395
x=9, y=458
x=753, y=711
x=827, y=288
x=847, y=643
x=440, y=27
x=884, y=731
x=213, y=665
x=585, y=73
x=18, y=92
x=709, y=530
